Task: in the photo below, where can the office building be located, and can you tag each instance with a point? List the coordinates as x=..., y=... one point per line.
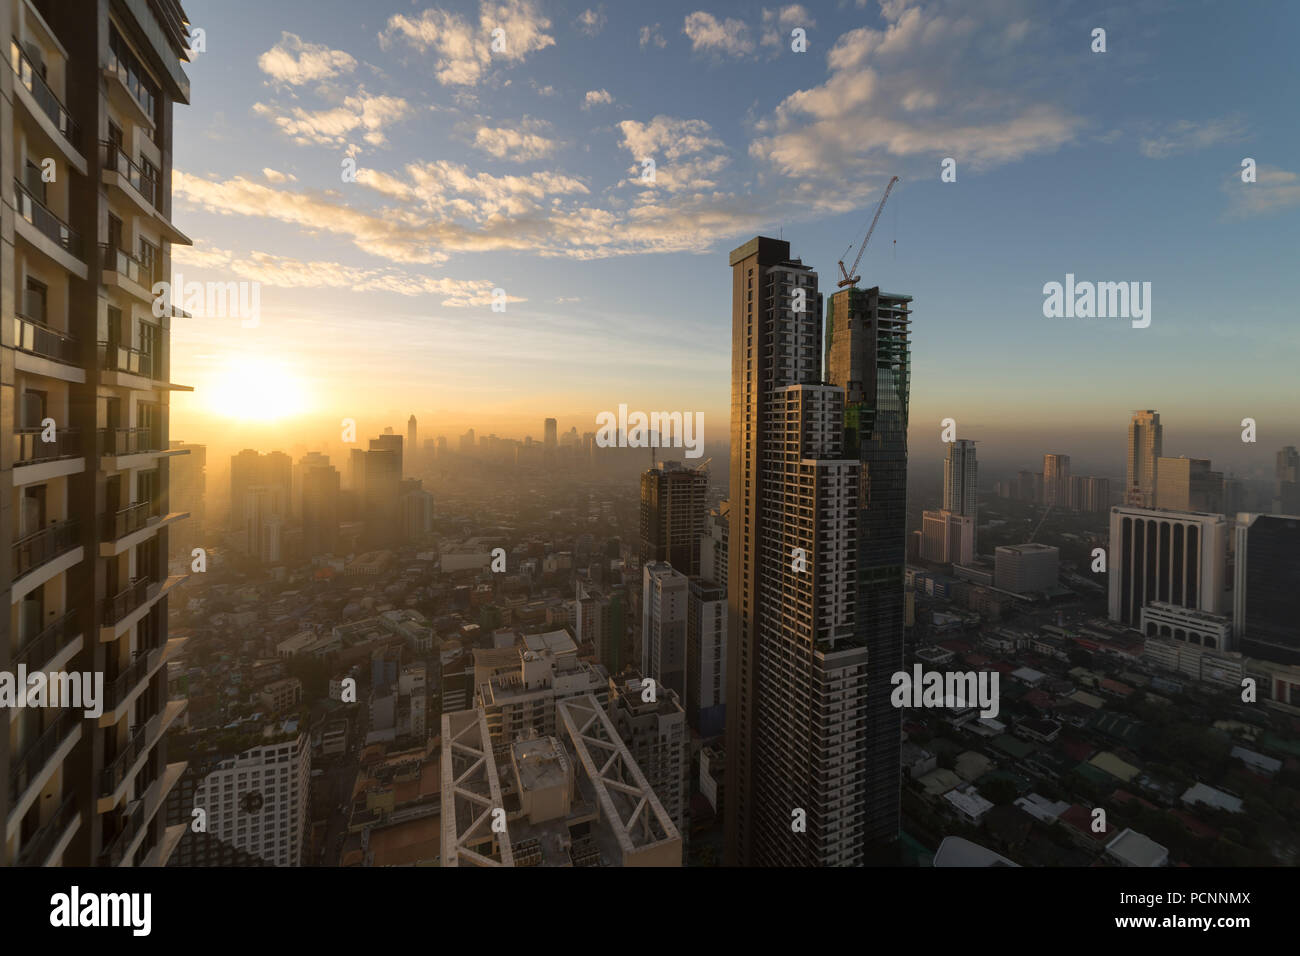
x=573, y=798
x=663, y=625
x=869, y=355
x=381, y=506
x=1089, y=495
x=797, y=665
x=412, y=445
x=249, y=470
x=1026, y=568
x=1188, y=484
x=947, y=537
x=673, y=513
x=1175, y=557
x=961, y=478
x=1266, y=623
x=256, y=801
x=417, y=510
x=320, y=506
x=549, y=429
x=86, y=522
x=1056, y=481
x=656, y=734
x=1145, y=447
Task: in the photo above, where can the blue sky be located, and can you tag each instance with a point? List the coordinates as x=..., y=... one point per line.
x=520, y=170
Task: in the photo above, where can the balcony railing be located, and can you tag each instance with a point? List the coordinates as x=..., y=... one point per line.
x=130, y=441
x=117, y=690
x=50, y=225
x=37, y=848
x=113, y=853
x=56, y=636
x=30, y=448
x=110, y=778
x=40, y=547
x=119, y=358
x=39, y=339
x=125, y=601
x=119, y=524
x=124, y=264
x=30, y=77
x=27, y=767
x=116, y=159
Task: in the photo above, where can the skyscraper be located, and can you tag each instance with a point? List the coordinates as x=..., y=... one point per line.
x=1286, y=492
x=411, y=444
x=89, y=87
x=1187, y=484
x=673, y=511
x=869, y=354
x=797, y=667
x=1056, y=480
x=320, y=507
x=961, y=478
x=381, y=505
x=549, y=429
x=1264, y=594
x=663, y=625
x=1145, y=446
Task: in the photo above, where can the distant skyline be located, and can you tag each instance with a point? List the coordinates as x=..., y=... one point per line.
x=522, y=172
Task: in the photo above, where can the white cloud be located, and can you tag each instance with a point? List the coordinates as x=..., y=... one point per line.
x=591, y=22
x=596, y=98
x=1182, y=136
x=708, y=34
x=295, y=62
x=778, y=23
x=925, y=85
x=652, y=34
x=462, y=50
x=275, y=176
x=686, y=154
x=519, y=144
x=363, y=113
x=1274, y=189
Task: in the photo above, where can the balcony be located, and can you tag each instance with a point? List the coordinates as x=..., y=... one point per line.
x=41, y=547
x=113, y=853
x=30, y=79
x=31, y=334
x=119, y=358
x=124, y=271
x=145, y=185
x=38, y=849
x=38, y=651
x=111, y=777
x=119, y=524
x=64, y=238
x=125, y=601
x=126, y=442
x=31, y=449
x=28, y=768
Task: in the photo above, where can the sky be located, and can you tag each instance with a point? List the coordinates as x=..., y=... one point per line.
x=521, y=169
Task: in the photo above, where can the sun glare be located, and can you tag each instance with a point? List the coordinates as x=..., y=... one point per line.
x=256, y=389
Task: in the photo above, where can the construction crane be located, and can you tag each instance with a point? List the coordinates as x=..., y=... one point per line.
x=1039, y=525
x=851, y=277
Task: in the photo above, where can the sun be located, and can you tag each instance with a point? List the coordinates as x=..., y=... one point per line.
x=254, y=388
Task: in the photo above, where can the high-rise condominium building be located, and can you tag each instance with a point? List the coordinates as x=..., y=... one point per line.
x=249, y=470
x=663, y=625
x=1056, y=480
x=961, y=478
x=320, y=507
x=412, y=444
x=706, y=629
x=673, y=511
x=797, y=663
x=1089, y=494
x=947, y=537
x=549, y=430
x=1175, y=557
x=1187, y=484
x=1267, y=577
x=1145, y=446
x=381, y=505
x=869, y=355
x=86, y=97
